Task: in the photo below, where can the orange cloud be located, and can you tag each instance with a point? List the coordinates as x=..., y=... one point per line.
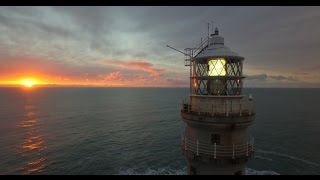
x=137, y=65
x=118, y=78
x=14, y=70
x=113, y=76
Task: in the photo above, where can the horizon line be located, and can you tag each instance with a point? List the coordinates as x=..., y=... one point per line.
x=96, y=86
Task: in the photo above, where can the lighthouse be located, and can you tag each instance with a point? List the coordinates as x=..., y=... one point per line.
x=216, y=139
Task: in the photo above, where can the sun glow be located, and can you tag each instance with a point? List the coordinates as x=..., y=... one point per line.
x=28, y=83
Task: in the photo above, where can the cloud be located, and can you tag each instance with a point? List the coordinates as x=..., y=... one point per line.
x=136, y=65
x=19, y=67
x=68, y=41
x=96, y=21
x=123, y=78
x=311, y=68
x=265, y=77
x=178, y=82
x=283, y=78
x=257, y=77
x=139, y=73
x=114, y=76
x=30, y=25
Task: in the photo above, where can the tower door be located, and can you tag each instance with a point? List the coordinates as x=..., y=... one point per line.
x=193, y=170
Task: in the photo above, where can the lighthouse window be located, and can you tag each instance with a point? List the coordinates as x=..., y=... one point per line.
x=216, y=87
x=215, y=138
x=217, y=67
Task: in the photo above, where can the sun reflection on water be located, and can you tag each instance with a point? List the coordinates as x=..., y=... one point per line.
x=32, y=147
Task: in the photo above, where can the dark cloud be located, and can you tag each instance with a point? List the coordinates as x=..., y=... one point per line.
x=93, y=20
x=311, y=68
x=265, y=77
x=280, y=78
x=257, y=77
x=178, y=82
x=34, y=26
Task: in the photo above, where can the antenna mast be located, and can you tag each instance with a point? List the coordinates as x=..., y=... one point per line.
x=212, y=27
x=208, y=32
x=178, y=51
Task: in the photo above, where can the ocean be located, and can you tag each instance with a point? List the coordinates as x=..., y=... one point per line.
x=124, y=131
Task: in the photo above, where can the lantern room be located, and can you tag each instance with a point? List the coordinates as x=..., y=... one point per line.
x=217, y=70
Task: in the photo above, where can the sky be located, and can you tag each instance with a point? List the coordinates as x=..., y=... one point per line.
x=126, y=46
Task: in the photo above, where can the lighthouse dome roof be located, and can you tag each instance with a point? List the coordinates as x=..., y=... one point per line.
x=217, y=48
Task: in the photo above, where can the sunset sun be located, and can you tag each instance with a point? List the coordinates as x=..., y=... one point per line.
x=28, y=83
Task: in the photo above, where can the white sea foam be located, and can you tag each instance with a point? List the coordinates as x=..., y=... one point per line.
x=150, y=171
x=288, y=156
x=183, y=171
x=250, y=171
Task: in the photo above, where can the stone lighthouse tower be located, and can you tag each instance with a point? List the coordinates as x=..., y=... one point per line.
x=217, y=115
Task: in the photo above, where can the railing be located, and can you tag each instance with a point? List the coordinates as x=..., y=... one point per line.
x=200, y=47
x=193, y=52
x=188, y=56
x=218, y=151
x=242, y=108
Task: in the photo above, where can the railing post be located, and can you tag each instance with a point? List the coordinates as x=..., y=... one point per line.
x=197, y=148
x=226, y=108
x=182, y=106
x=233, y=151
x=198, y=104
x=252, y=107
x=252, y=144
x=224, y=104
x=215, y=150
x=212, y=110
x=240, y=109
x=247, y=148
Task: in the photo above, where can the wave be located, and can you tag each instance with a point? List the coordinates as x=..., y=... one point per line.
x=182, y=171
x=287, y=156
x=150, y=171
x=250, y=171
x=264, y=158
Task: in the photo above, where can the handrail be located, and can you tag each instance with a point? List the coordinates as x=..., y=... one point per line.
x=218, y=151
x=226, y=108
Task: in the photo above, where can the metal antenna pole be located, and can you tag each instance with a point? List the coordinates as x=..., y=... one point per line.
x=208, y=32
x=178, y=50
x=212, y=28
